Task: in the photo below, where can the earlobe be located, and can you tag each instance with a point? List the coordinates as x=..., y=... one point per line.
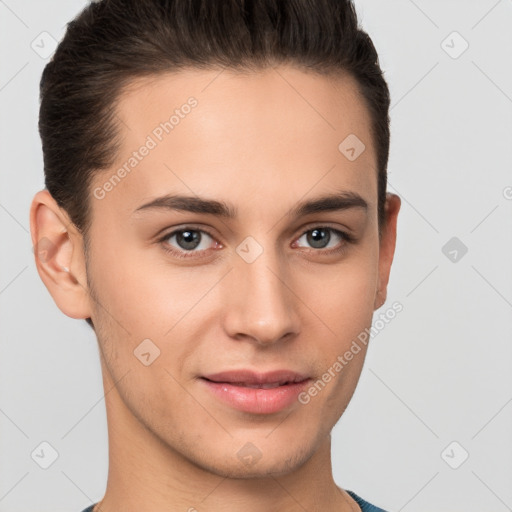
x=59, y=258
x=380, y=298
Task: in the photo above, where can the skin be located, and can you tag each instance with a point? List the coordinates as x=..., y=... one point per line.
x=258, y=144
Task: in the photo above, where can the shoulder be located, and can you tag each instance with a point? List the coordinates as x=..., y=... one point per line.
x=89, y=509
x=364, y=505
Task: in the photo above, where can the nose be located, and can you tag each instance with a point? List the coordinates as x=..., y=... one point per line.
x=260, y=303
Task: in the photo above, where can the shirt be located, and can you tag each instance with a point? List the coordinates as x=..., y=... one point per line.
x=364, y=505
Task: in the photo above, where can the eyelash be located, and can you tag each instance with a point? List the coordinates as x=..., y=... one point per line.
x=347, y=239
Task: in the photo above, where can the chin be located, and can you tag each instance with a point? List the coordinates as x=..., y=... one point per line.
x=259, y=470
x=248, y=463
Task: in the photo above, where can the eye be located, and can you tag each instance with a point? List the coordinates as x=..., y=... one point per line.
x=321, y=237
x=189, y=242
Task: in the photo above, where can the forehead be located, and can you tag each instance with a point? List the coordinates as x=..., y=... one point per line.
x=275, y=133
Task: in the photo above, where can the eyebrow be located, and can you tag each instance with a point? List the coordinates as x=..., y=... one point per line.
x=194, y=204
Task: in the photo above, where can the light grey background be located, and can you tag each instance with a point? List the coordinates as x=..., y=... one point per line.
x=439, y=372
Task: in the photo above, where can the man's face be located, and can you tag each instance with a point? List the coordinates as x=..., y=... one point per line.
x=266, y=290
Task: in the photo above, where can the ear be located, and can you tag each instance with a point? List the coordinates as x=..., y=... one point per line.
x=387, y=247
x=59, y=256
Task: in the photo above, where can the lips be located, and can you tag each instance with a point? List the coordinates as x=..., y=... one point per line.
x=254, y=392
x=254, y=379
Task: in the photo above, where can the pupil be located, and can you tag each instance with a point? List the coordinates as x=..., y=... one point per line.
x=315, y=236
x=188, y=239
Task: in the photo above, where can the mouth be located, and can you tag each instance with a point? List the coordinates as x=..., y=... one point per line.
x=257, y=393
x=250, y=377
x=269, y=385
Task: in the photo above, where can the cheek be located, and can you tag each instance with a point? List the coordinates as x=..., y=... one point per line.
x=343, y=296
x=139, y=300
x=343, y=301
x=345, y=305
x=143, y=295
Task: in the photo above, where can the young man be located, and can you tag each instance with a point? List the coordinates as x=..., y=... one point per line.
x=216, y=209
